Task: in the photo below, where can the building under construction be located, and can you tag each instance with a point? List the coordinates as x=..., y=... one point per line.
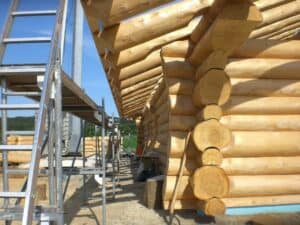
x=213, y=86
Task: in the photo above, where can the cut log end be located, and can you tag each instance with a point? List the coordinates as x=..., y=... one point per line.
x=211, y=157
x=210, y=112
x=209, y=182
x=213, y=88
x=210, y=134
x=212, y=207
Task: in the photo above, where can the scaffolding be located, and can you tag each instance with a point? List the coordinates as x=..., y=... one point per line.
x=53, y=92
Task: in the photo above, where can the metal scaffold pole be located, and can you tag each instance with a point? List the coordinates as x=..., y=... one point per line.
x=103, y=165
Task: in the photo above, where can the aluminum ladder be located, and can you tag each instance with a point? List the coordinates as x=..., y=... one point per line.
x=47, y=122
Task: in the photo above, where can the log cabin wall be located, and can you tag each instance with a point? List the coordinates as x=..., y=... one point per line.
x=229, y=78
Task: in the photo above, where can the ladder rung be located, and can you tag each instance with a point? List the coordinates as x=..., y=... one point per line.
x=14, y=93
x=20, y=132
x=12, y=194
x=17, y=171
x=26, y=40
x=16, y=147
x=19, y=106
x=34, y=13
x=21, y=70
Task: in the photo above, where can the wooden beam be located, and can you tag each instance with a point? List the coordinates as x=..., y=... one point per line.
x=113, y=11
x=145, y=83
x=280, y=12
x=266, y=4
x=139, y=52
x=288, y=33
x=279, y=32
x=138, y=92
x=141, y=77
x=273, y=27
x=154, y=24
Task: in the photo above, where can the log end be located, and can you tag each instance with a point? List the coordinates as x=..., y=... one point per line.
x=212, y=207
x=210, y=112
x=209, y=134
x=211, y=157
x=209, y=182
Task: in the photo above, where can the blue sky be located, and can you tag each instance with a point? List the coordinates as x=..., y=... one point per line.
x=94, y=81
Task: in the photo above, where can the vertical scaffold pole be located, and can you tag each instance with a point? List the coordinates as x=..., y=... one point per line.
x=103, y=150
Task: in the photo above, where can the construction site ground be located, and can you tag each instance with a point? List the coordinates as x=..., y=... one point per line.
x=83, y=207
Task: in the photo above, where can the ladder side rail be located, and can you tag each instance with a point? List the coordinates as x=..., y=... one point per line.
x=7, y=27
x=52, y=67
x=103, y=154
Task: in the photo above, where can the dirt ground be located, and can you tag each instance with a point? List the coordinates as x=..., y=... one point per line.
x=128, y=209
x=83, y=207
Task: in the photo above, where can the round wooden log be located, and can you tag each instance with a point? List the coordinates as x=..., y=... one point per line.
x=210, y=157
x=139, y=52
x=274, y=26
x=141, y=77
x=177, y=67
x=260, y=201
x=211, y=133
x=263, y=185
x=264, y=48
x=241, y=17
x=182, y=105
x=260, y=165
x=213, y=88
x=208, y=182
x=212, y=207
x=152, y=25
x=262, y=122
x=280, y=12
x=180, y=86
x=153, y=60
x=174, y=166
x=210, y=112
x=280, y=143
x=181, y=123
x=263, y=105
x=263, y=68
x=216, y=60
x=266, y=4
x=177, y=144
x=184, y=189
x=180, y=49
x=282, y=31
x=265, y=87
x=112, y=12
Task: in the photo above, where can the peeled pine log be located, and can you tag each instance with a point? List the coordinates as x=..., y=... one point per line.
x=240, y=202
x=282, y=31
x=211, y=133
x=274, y=26
x=180, y=86
x=262, y=105
x=265, y=4
x=138, y=92
x=263, y=185
x=242, y=165
x=280, y=12
x=212, y=88
x=113, y=11
x=238, y=19
x=264, y=48
x=262, y=122
x=210, y=157
x=151, y=25
x=177, y=143
x=261, y=200
x=209, y=182
x=184, y=189
x=261, y=165
x=210, y=112
x=265, y=87
x=216, y=60
x=182, y=105
x=139, y=52
x=140, y=77
x=139, y=85
x=290, y=33
x=180, y=49
x=263, y=144
x=181, y=123
x=264, y=68
x=153, y=60
x=178, y=68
